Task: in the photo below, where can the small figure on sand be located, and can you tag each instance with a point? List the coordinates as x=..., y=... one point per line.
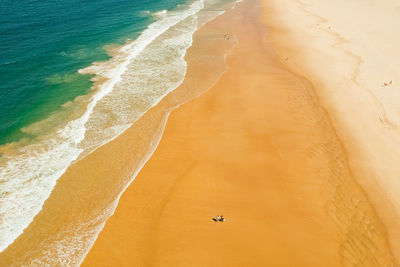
x=219, y=218
x=226, y=36
x=386, y=84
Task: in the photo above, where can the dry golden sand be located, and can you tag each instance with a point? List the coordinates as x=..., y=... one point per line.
x=258, y=148
x=277, y=146
x=349, y=51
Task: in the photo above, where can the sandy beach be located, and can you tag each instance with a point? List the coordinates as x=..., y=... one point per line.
x=87, y=194
x=348, y=51
x=262, y=149
x=287, y=123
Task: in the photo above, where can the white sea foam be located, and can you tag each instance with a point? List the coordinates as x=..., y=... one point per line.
x=137, y=77
x=160, y=14
x=29, y=175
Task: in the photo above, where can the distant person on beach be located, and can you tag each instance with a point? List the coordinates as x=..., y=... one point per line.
x=386, y=84
x=219, y=218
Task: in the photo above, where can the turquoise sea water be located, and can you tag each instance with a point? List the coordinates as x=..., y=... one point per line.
x=44, y=43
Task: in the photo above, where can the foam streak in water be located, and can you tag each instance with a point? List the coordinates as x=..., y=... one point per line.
x=28, y=177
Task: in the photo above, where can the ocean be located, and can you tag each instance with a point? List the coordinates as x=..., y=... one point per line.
x=43, y=45
x=75, y=75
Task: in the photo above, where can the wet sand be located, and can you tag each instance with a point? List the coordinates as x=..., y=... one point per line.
x=259, y=148
x=87, y=194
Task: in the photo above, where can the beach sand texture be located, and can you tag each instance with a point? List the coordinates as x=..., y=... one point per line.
x=86, y=195
x=286, y=124
x=349, y=52
x=262, y=150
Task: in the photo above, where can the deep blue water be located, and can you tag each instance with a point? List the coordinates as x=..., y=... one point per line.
x=44, y=43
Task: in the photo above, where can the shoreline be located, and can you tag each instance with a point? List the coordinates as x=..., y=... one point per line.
x=264, y=129
x=126, y=86
x=87, y=203
x=203, y=158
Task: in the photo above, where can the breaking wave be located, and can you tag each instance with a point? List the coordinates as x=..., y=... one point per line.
x=136, y=78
